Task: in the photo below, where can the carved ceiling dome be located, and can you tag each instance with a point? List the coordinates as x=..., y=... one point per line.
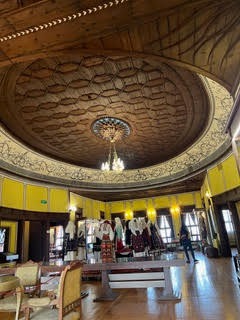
x=55, y=101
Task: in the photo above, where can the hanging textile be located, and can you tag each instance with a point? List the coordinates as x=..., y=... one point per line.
x=128, y=234
x=106, y=234
x=137, y=242
x=118, y=231
x=137, y=239
x=145, y=233
x=156, y=239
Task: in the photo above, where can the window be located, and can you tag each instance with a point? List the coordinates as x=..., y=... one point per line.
x=140, y=214
x=228, y=221
x=164, y=221
x=4, y=236
x=56, y=238
x=59, y=237
x=191, y=221
x=165, y=229
x=117, y=215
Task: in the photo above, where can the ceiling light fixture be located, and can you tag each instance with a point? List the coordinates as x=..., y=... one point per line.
x=112, y=130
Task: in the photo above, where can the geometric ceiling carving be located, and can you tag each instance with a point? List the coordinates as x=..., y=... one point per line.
x=210, y=146
x=55, y=101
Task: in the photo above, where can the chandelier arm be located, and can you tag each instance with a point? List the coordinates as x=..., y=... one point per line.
x=110, y=155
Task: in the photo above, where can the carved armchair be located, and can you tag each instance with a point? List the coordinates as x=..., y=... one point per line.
x=66, y=305
x=29, y=274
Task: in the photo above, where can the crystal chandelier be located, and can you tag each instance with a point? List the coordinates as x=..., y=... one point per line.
x=113, y=162
x=112, y=130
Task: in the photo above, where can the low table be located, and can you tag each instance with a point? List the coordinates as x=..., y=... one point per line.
x=138, y=273
x=110, y=281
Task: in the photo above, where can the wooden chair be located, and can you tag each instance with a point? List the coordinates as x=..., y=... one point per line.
x=66, y=305
x=29, y=274
x=11, y=295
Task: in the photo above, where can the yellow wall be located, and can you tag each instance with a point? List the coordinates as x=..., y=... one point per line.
x=34, y=196
x=215, y=179
x=22, y=196
x=220, y=179
x=162, y=202
x=91, y=208
x=58, y=200
x=230, y=172
x=12, y=194
x=223, y=177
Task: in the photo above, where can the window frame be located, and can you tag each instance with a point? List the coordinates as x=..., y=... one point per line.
x=195, y=237
x=165, y=213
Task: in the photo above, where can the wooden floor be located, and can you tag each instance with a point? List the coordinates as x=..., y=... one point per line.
x=210, y=291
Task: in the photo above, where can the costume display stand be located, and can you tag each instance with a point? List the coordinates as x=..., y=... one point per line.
x=107, y=239
x=106, y=234
x=70, y=242
x=81, y=241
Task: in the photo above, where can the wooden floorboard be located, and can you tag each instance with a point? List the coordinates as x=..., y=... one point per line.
x=210, y=291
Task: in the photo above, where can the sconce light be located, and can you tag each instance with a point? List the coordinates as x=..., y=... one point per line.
x=128, y=215
x=208, y=195
x=151, y=213
x=175, y=209
x=72, y=208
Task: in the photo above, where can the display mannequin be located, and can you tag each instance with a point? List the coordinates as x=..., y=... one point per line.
x=128, y=234
x=97, y=244
x=145, y=233
x=70, y=233
x=118, y=234
x=106, y=234
x=70, y=229
x=156, y=239
x=137, y=239
x=81, y=241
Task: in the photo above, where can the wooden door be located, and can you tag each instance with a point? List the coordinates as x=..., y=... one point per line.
x=38, y=242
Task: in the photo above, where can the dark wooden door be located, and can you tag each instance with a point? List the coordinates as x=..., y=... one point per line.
x=38, y=243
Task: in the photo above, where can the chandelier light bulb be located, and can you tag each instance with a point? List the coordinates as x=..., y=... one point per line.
x=105, y=166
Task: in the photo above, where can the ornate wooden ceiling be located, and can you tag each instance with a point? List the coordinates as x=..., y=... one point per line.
x=65, y=64
x=53, y=103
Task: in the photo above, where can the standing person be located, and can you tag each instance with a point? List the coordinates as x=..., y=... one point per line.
x=185, y=241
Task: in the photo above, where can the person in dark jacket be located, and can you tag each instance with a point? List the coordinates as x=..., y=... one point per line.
x=185, y=241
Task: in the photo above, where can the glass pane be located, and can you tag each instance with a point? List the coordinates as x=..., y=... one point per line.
x=194, y=230
x=226, y=215
x=229, y=227
x=168, y=232
x=163, y=233
x=162, y=224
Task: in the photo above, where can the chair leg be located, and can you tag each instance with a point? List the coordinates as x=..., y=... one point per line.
x=26, y=311
x=19, y=295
